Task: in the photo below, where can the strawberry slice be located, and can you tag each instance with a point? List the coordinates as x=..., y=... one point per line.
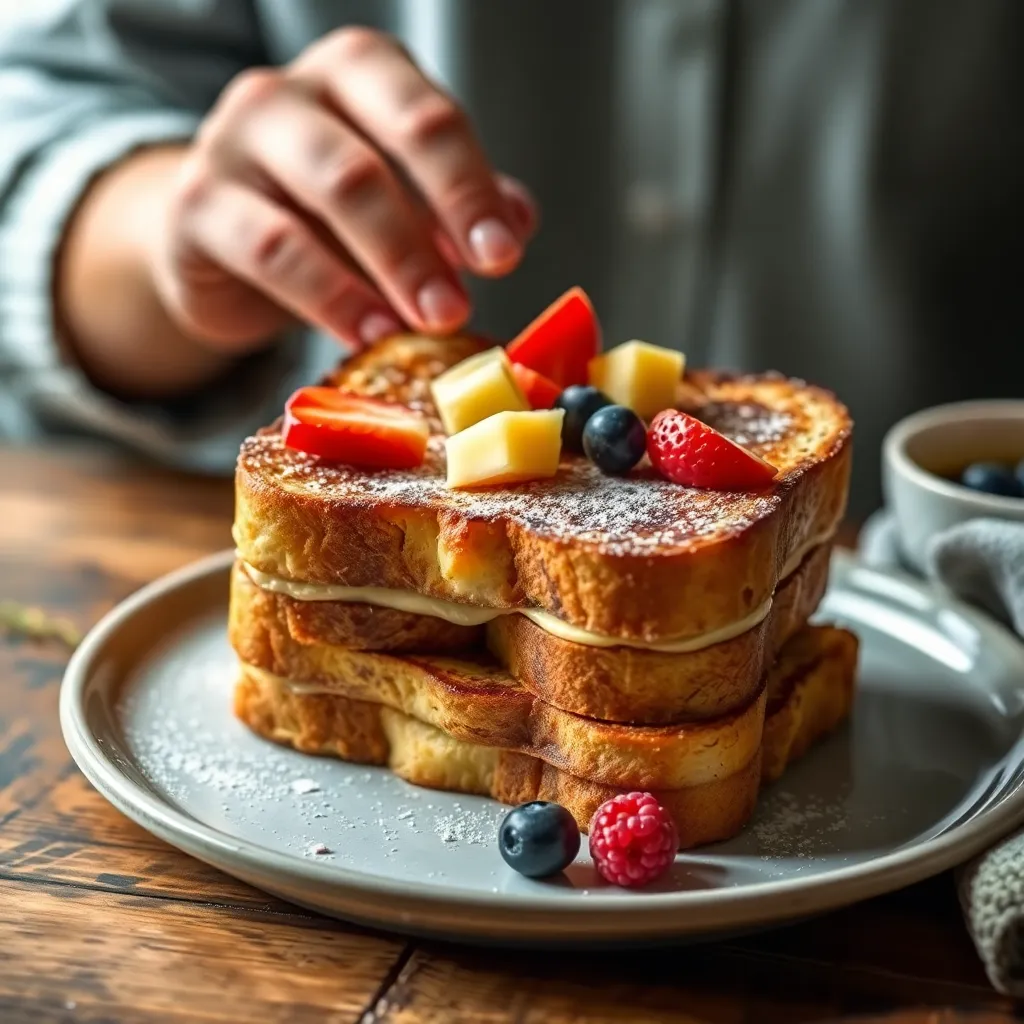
x=561, y=341
x=536, y=388
x=343, y=427
x=688, y=451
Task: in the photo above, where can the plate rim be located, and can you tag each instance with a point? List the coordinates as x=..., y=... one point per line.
x=463, y=913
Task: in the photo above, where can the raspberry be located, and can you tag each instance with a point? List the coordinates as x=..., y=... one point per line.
x=688, y=451
x=632, y=839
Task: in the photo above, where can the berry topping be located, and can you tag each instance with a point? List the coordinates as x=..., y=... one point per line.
x=561, y=341
x=580, y=402
x=993, y=478
x=687, y=451
x=540, y=392
x=539, y=839
x=632, y=839
x=614, y=439
x=343, y=427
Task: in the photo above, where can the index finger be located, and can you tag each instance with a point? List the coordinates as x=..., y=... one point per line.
x=377, y=86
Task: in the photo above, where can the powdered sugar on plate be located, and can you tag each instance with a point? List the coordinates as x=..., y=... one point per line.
x=185, y=740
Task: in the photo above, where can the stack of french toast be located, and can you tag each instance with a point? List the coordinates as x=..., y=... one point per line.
x=563, y=639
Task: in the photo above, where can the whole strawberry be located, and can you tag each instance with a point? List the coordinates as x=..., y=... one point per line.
x=632, y=839
x=687, y=451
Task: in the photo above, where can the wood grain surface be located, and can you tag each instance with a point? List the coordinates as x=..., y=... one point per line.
x=100, y=922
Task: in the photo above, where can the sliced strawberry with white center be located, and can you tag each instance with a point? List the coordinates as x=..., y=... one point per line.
x=343, y=427
x=687, y=451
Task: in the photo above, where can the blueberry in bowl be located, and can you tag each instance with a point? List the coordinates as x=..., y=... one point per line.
x=951, y=464
x=994, y=478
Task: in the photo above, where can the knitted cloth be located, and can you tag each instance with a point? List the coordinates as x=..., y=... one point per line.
x=981, y=562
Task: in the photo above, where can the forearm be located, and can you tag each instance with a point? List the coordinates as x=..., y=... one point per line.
x=110, y=318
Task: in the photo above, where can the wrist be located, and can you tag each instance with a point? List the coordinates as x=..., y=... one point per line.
x=111, y=319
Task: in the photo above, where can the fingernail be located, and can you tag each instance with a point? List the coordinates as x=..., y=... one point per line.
x=493, y=243
x=375, y=326
x=441, y=303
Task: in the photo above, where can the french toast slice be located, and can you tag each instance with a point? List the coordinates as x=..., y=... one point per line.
x=478, y=701
x=618, y=684
x=809, y=692
x=635, y=557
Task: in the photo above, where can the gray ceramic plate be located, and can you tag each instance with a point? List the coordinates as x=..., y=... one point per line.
x=928, y=772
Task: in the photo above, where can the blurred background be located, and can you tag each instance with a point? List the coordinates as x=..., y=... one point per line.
x=830, y=188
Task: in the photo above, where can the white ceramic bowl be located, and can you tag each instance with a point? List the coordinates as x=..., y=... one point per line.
x=921, y=454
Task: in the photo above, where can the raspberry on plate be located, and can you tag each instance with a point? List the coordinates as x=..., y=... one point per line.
x=632, y=839
x=687, y=451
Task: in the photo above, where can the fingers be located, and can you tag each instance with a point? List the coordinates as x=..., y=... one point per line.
x=327, y=168
x=269, y=248
x=374, y=83
x=524, y=219
x=523, y=206
x=347, y=189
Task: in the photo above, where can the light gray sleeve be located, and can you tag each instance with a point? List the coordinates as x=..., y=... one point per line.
x=83, y=83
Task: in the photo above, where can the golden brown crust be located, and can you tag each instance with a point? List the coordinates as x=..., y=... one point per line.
x=365, y=627
x=811, y=690
x=808, y=702
x=617, y=684
x=370, y=734
x=481, y=703
x=623, y=684
x=636, y=557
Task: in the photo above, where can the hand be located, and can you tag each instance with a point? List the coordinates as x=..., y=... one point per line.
x=345, y=189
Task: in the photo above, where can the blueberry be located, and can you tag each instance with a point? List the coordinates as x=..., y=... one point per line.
x=1019, y=473
x=992, y=478
x=615, y=439
x=539, y=839
x=580, y=403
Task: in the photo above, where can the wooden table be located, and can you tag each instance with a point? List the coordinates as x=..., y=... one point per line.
x=99, y=921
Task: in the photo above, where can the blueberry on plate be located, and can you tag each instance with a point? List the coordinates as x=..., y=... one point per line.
x=615, y=439
x=580, y=403
x=1019, y=473
x=538, y=839
x=992, y=478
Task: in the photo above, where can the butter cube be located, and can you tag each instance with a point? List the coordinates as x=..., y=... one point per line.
x=640, y=376
x=509, y=447
x=476, y=388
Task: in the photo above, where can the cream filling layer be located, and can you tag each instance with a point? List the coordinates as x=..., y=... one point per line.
x=469, y=615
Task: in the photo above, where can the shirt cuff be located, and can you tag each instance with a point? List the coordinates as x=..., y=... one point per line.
x=48, y=392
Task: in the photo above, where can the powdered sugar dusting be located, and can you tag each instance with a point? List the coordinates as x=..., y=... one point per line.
x=747, y=423
x=790, y=826
x=636, y=515
x=627, y=516
x=465, y=826
x=186, y=742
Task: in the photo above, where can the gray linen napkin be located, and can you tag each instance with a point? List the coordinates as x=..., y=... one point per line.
x=982, y=562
